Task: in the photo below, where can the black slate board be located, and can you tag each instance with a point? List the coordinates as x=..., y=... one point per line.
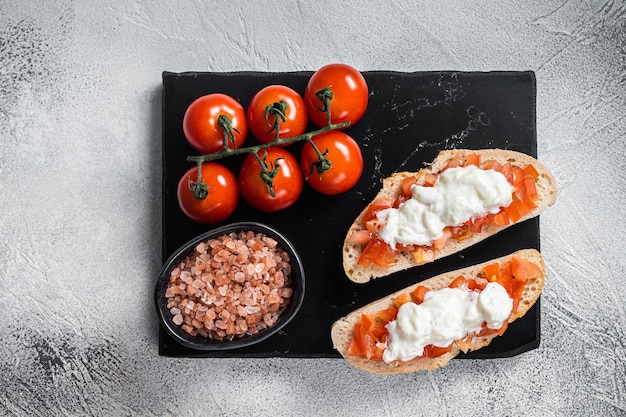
x=410, y=118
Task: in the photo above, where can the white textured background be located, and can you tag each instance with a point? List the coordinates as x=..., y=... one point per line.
x=80, y=203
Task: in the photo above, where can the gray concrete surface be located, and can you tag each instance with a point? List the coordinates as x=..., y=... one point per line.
x=80, y=201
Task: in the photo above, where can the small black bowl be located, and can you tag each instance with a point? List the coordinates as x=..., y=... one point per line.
x=206, y=344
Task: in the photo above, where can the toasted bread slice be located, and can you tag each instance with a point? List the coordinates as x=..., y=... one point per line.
x=343, y=329
x=546, y=189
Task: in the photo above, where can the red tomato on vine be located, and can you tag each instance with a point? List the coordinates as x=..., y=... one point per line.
x=286, y=185
x=221, y=197
x=276, y=107
x=349, y=94
x=346, y=163
x=206, y=118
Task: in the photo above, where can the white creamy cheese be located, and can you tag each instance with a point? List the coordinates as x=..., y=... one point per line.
x=445, y=316
x=458, y=195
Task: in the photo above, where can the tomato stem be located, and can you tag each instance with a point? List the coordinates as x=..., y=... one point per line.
x=325, y=95
x=199, y=188
x=278, y=110
x=322, y=164
x=254, y=149
x=226, y=124
x=267, y=175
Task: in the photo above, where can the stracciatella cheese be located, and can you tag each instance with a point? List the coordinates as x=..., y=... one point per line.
x=445, y=316
x=458, y=195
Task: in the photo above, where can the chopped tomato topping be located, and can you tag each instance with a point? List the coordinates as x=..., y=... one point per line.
x=507, y=171
x=422, y=255
x=377, y=252
x=530, y=170
x=430, y=180
x=518, y=173
x=419, y=293
x=517, y=287
x=472, y=159
x=524, y=207
x=373, y=226
x=438, y=244
x=491, y=164
x=452, y=163
x=360, y=237
x=402, y=299
x=512, y=213
x=377, y=205
x=492, y=272
x=501, y=219
x=529, y=185
x=365, y=342
x=407, y=183
x=524, y=270
x=459, y=281
x=432, y=351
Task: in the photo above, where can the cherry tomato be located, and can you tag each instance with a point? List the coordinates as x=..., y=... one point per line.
x=350, y=94
x=222, y=198
x=287, y=184
x=346, y=162
x=201, y=123
x=261, y=123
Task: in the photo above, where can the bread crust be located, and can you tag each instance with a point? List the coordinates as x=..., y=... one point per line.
x=343, y=329
x=546, y=189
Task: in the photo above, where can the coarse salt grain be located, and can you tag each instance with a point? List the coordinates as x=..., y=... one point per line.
x=251, y=275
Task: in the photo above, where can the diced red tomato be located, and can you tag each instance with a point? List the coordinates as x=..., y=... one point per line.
x=518, y=173
x=492, y=272
x=459, y=281
x=486, y=331
x=529, y=185
x=524, y=270
x=387, y=315
x=472, y=159
x=422, y=255
x=377, y=205
x=530, y=169
x=432, y=351
x=377, y=252
x=419, y=293
x=480, y=283
x=501, y=219
x=524, y=207
x=507, y=171
x=519, y=190
x=360, y=237
x=402, y=299
x=505, y=277
x=373, y=226
x=353, y=348
x=372, y=324
x=517, y=287
x=430, y=180
x=365, y=342
x=452, y=163
x=461, y=233
x=512, y=213
x=491, y=164
x=407, y=183
x=439, y=243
